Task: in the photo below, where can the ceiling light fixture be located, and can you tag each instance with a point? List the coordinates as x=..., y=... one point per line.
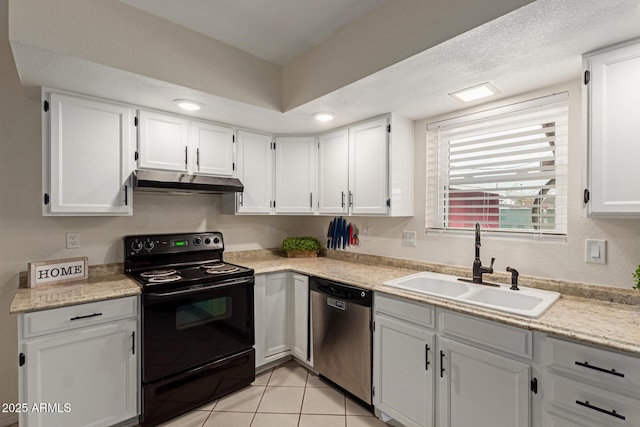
x=323, y=117
x=188, y=105
x=475, y=92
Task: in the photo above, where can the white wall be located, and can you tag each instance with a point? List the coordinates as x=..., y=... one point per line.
x=535, y=258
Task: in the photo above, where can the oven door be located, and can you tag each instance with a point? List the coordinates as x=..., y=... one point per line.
x=190, y=327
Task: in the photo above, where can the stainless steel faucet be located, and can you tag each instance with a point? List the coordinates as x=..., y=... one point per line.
x=478, y=268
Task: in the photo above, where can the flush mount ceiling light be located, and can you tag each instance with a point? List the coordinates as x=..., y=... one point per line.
x=474, y=92
x=323, y=117
x=188, y=105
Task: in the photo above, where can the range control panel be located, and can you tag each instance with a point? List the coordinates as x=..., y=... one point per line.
x=173, y=243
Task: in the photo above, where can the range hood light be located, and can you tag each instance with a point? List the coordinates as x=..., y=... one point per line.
x=323, y=117
x=188, y=105
x=474, y=92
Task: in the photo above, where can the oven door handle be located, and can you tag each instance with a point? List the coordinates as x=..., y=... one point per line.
x=193, y=290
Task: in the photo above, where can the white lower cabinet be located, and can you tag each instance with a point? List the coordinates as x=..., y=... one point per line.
x=404, y=364
x=86, y=372
x=588, y=386
x=450, y=370
x=481, y=388
x=281, y=317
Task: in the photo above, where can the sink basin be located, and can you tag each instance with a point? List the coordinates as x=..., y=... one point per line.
x=525, y=302
x=447, y=286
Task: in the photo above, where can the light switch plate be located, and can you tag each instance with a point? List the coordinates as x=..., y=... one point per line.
x=595, y=251
x=408, y=238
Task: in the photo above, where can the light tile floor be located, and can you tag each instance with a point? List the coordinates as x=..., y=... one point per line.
x=286, y=396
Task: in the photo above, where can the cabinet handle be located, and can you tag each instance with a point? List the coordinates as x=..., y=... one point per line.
x=613, y=413
x=186, y=157
x=198, y=158
x=86, y=317
x=426, y=357
x=441, y=364
x=311, y=200
x=596, y=368
x=126, y=195
x=133, y=342
x=241, y=199
x=350, y=198
x=342, y=198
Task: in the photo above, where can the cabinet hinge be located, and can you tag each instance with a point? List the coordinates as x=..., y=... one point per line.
x=534, y=385
x=389, y=128
x=21, y=359
x=586, y=196
x=135, y=121
x=46, y=198
x=587, y=77
x=389, y=203
x=46, y=105
x=136, y=156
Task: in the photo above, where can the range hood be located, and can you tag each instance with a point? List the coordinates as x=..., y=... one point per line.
x=184, y=182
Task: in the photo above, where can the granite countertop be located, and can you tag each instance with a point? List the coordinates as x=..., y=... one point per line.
x=104, y=282
x=608, y=317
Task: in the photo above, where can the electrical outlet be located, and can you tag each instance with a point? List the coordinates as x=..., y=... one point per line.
x=595, y=251
x=366, y=233
x=408, y=238
x=73, y=240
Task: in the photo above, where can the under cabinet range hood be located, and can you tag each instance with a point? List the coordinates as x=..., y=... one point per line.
x=184, y=182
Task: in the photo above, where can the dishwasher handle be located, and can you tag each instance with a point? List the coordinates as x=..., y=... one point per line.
x=342, y=291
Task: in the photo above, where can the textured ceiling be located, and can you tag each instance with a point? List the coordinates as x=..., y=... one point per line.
x=536, y=46
x=274, y=30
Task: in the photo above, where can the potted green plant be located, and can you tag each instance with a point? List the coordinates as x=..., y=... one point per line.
x=301, y=247
x=636, y=277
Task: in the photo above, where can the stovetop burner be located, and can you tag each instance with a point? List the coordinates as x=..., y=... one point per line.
x=165, y=279
x=159, y=273
x=219, y=268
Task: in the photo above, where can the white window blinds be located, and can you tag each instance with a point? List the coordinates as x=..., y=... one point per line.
x=504, y=168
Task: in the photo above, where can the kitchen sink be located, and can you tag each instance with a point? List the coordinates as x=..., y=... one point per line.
x=525, y=302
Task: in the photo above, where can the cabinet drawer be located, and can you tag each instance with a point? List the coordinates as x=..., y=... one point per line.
x=599, y=406
x=490, y=334
x=77, y=316
x=613, y=369
x=422, y=314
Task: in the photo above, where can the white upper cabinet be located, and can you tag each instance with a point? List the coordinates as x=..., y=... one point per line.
x=333, y=172
x=86, y=156
x=610, y=93
x=163, y=141
x=295, y=174
x=368, y=167
x=255, y=171
x=212, y=147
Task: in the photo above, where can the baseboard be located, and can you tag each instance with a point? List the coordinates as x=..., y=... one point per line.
x=9, y=421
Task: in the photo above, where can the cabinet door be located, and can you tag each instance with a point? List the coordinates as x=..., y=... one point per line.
x=300, y=322
x=404, y=356
x=482, y=388
x=368, y=167
x=90, y=376
x=212, y=147
x=162, y=141
x=613, y=132
x=276, y=314
x=333, y=172
x=255, y=170
x=86, y=153
x=295, y=174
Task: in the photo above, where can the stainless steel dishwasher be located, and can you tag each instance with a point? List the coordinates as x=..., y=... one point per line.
x=341, y=325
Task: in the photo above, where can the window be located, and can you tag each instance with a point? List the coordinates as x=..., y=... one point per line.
x=504, y=168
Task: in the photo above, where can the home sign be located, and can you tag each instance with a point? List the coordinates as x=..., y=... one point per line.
x=58, y=271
